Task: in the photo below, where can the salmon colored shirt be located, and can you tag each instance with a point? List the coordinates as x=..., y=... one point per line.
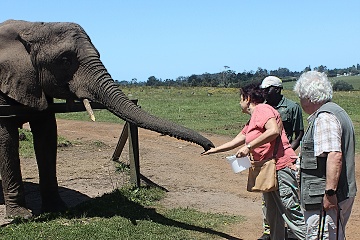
x=256, y=126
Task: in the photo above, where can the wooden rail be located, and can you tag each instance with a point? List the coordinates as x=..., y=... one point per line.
x=130, y=130
x=21, y=110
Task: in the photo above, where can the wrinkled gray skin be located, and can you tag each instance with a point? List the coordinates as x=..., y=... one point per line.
x=41, y=61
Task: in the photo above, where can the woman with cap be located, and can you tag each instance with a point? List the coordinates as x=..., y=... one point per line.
x=258, y=137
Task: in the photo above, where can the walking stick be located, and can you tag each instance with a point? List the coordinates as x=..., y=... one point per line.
x=321, y=221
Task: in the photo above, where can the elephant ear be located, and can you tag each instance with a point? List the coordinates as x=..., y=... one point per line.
x=18, y=76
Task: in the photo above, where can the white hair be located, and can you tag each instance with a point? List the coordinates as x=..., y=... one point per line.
x=314, y=86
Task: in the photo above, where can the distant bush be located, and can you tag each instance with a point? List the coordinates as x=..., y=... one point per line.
x=341, y=85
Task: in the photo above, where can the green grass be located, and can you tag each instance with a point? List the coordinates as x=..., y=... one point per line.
x=26, y=148
x=215, y=110
x=127, y=213
x=210, y=110
x=353, y=80
x=134, y=213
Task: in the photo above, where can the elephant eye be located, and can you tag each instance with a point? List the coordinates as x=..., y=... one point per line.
x=66, y=61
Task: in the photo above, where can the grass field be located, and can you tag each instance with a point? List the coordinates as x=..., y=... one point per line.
x=353, y=80
x=210, y=110
x=127, y=213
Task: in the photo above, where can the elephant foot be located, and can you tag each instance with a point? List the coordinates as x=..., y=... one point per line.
x=53, y=205
x=18, y=212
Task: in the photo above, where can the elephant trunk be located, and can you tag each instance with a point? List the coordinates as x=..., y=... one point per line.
x=105, y=91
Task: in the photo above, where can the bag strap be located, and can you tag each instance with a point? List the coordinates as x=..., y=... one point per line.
x=277, y=141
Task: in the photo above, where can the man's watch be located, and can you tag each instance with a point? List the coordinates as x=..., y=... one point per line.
x=248, y=146
x=330, y=192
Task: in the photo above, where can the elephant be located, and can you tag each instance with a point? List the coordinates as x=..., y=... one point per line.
x=43, y=61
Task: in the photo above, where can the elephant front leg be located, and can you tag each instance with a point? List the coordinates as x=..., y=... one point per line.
x=44, y=132
x=10, y=170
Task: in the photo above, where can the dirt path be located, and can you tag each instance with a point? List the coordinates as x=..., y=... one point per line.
x=205, y=183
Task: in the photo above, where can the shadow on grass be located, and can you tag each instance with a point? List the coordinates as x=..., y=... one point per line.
x=33, y=199
x=116, y=204
x=106, y=206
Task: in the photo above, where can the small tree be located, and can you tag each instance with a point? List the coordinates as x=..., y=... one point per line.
x=341, y=85
x=134, y=81
x=308, y=68
x=153, y=81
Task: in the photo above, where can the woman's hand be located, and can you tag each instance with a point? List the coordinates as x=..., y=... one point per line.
x=210, y=151
x=243, y=151
x=236, y=142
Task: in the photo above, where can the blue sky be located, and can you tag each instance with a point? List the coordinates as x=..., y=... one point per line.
x=172, y=38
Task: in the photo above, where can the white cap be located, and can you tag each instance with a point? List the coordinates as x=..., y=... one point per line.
x=271, y=81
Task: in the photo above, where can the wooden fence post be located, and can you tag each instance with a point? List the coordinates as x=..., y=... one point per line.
x=121, y=143
x=130, y=131
x=134, y=154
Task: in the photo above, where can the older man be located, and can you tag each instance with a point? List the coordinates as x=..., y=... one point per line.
x=327, y=170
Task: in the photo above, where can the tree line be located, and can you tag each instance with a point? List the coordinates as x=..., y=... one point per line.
x=231, y=79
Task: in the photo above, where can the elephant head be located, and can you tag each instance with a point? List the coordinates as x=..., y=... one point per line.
x=41, y=61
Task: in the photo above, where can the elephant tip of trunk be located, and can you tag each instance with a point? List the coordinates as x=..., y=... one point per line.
x=208, y=146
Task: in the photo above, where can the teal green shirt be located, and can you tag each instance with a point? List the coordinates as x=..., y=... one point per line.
x=291, y=116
